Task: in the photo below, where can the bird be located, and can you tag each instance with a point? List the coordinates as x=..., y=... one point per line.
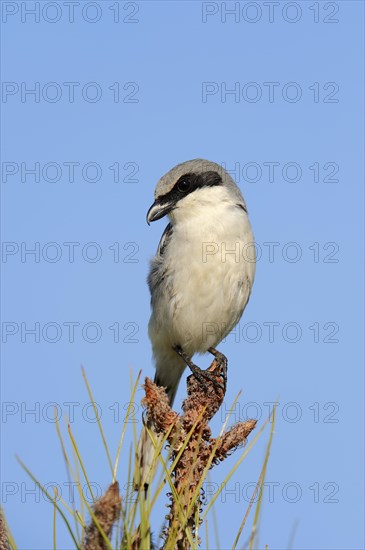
x=200, y=279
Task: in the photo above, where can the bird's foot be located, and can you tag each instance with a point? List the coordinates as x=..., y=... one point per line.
x=203, y=375
x=221, y=367
x=200, y=374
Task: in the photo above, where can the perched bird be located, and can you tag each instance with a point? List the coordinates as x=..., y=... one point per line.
x=201, y=276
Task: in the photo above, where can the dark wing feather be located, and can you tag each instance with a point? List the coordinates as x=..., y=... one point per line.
x=156, y=273
x=164, y=241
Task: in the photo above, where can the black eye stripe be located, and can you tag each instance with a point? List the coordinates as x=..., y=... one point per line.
x=188, y=183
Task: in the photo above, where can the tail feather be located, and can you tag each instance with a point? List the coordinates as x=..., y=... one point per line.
x=146, y=460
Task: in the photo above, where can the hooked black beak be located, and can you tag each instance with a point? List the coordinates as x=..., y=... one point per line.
x=158, y=211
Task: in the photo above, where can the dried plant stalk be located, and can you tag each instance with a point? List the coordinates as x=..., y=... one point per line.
x=199, y=408
x=4, y=544
x=106, y=510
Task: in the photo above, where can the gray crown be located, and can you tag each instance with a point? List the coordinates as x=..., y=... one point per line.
x=196, y=166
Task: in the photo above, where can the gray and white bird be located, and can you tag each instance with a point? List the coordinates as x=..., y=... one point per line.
x=201, y=276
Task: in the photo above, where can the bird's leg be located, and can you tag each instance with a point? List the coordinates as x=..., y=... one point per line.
x=221, y=363
x=200, y=374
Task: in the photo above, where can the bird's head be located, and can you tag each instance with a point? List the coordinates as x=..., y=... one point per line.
x=192, y=185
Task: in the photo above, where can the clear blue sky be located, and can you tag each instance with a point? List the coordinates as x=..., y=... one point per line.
x=140, y=95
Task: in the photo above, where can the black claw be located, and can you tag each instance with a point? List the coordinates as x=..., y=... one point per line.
x=203, y=375
x=198, y=375
x=221, y=364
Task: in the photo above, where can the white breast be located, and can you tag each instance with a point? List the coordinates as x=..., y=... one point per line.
x=209, y=273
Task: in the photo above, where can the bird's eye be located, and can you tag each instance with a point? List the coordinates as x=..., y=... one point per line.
x=183, y=185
